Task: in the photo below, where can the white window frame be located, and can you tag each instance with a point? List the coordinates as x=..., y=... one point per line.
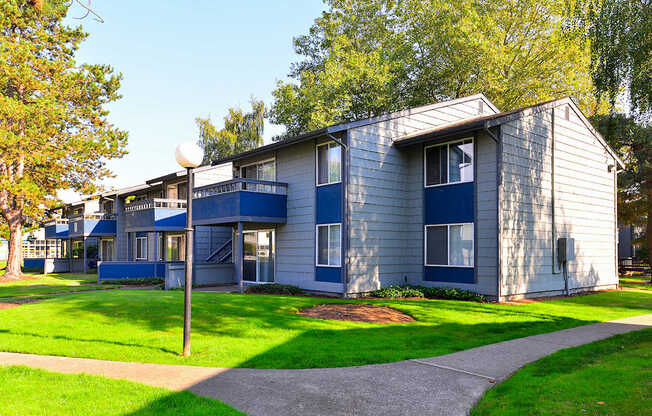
x=259, y=162
x=448, y=245
x=317, y=164
x=448, y=168
x=137, y=245
x=329, y=244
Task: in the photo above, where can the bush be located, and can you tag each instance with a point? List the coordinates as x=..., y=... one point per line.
x=398, y=292
x=134, y=281
x=427, y=292
x=274, y=289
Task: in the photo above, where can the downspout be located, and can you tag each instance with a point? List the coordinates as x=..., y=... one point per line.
x=344, y=213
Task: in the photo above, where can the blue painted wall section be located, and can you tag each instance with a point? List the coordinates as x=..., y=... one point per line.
x=240, y=206
x=449, y=204
x=92, y=228
x=124, y=270
x=329, y=203
x=156, y=219
x=329, y=211
x=328, y=274
x=34, y=264
x=449, y=274
x=56, y=231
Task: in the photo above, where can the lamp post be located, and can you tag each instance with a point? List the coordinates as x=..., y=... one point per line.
x=189, y=156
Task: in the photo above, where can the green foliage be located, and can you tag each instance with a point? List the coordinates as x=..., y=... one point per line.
x=134, y=281
x=633, y=142
x=78, y=252
x=54, y=131
x=274, y=289
x=620, y=34
x=406, y=291
x=241, y=132
x=608, y=377
x=364, y=57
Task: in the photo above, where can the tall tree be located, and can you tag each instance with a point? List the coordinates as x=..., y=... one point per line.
x=364, y=57
x=241, y=132
x=620, y=34
x=54, y=132
x=633, y=141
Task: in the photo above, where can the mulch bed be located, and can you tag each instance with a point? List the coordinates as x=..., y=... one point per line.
x=357, y=313
x=16, y=303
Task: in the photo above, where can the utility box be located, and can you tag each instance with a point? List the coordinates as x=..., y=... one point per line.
x=565, y=249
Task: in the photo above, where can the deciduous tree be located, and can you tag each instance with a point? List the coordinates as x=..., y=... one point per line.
x=241, y=132
x=54, y=132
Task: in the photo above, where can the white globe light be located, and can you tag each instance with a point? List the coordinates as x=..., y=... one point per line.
x=189, y=155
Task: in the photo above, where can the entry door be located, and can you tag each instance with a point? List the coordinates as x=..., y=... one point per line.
x=258, y=257
x=107, y=250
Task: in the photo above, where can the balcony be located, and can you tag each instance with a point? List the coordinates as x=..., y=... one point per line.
x=155, y=215
x=57, y=228
x=91, y=225
x=240, y=200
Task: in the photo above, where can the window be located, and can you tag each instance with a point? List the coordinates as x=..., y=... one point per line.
x=449, y=245
x=329, y=248
x=329, y=163
x=449, y=163
x=176, y=248
x=141, y=248
x=261, y=171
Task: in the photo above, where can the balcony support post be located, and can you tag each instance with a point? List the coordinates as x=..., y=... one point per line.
x=84, y=245
x=239, y=257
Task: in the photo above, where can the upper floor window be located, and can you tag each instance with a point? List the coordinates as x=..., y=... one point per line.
x=449, y=163
x=329, y=163
x=260, y=171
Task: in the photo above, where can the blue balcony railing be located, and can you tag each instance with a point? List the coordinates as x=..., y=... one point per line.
x=91, y=225
x=155, y=215
x=57, y=228
x=240, y=200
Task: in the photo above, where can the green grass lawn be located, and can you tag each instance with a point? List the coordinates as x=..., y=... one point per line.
x=609, y=377
x=36, y=392
x=264, y=331
x=51, y=283
x=636, y=281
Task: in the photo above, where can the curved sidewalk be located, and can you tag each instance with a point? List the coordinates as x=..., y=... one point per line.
x=445, y=385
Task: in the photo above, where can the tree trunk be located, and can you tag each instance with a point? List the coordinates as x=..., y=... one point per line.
x=648, y=234
x=15, y=250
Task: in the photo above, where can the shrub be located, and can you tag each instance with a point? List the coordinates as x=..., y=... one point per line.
x=134, y=281
x=274, y=289
x=398, y=292
x=427, y=292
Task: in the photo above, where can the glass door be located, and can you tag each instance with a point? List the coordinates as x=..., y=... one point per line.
x=107, y=250
x=258, y=257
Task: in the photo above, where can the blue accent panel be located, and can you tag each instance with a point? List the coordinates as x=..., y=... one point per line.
x=328, y=274
x=329, y=204
x=449, y=274
x=449, y=204
x=99, y=227
x=131, y=269
x=33, y=263
x=156, y=219
x=241, y=206
x=141, y=234
x=56, y=231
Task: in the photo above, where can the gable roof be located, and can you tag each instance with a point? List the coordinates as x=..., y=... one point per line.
x=492, y=120
x=339, y=127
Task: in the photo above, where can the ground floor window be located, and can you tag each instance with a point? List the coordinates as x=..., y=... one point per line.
x=141, y=248
x=176, y=248
x=106, y=247
x=77, y=249
x=449, y=245
x=329, y=246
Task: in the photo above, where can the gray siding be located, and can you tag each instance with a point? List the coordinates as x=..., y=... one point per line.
x=385, y=195
x=583, y=204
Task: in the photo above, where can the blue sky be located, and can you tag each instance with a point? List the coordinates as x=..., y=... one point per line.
x=183, y=59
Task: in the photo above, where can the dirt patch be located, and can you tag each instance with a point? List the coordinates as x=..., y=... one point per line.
x=357, y=313
x=15, y=303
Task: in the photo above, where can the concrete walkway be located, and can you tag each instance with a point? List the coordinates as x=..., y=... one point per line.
x=444, y=385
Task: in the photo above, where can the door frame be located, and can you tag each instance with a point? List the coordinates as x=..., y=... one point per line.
x=273, y=231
